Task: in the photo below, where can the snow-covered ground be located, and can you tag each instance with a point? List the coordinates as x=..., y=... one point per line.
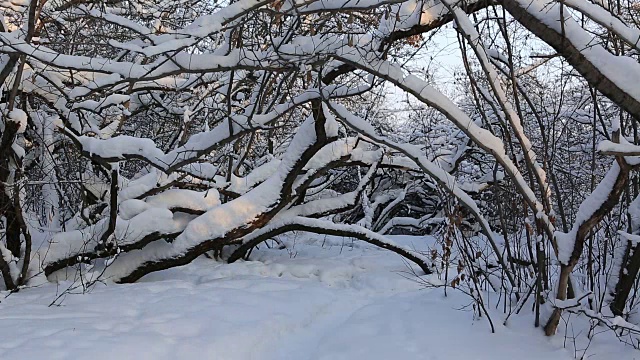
x=322, y=298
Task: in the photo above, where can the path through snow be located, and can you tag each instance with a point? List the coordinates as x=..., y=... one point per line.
x=324, y=298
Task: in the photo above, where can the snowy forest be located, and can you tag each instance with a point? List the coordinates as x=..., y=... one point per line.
x=320, y=179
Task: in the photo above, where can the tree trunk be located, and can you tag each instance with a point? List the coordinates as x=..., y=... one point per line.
x=628, y=273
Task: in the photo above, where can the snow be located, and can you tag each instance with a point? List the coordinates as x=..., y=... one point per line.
x=606, y=19
x=416, y=155
x=634, y=213
x=475, y=41
x=549, y=13
x=124, y=147
x=120, y=146
x=121, y=21
x=20, y=117
x=219, y=220
x=623, y=148
x=429, y=95
x=178, y=198
x=633, y=238
x=322, y=298
x=144, y=183
x=258, y=175
x=92, y=105
x=566, y=241
x=128, y=231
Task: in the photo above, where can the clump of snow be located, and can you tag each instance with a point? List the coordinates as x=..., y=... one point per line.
x=20, y=117
x=130, y=208
x=189, y=199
